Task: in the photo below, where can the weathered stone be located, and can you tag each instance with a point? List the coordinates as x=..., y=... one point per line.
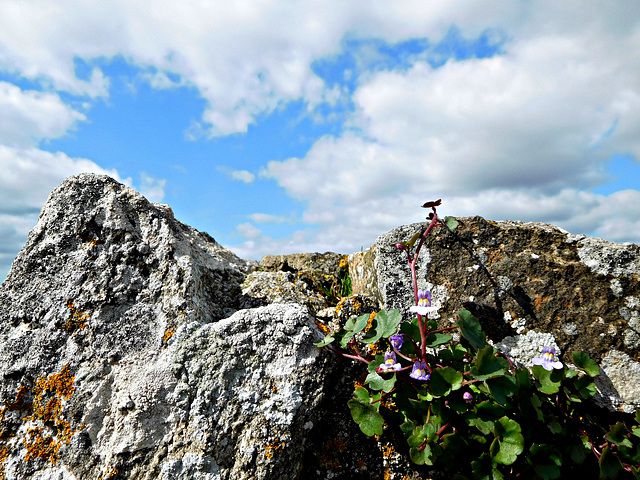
x=521, y=280
x=132, y=346
x=321, y=272
x=123, y=353
x=282, y=287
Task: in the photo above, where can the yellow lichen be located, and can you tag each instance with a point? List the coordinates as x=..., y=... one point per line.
x=273, y=448
x=167, y=335
x=323, y=328
x=77, y=319
x=47, y=428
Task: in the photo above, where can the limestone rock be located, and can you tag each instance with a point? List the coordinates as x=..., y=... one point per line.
x=124, y=352
x=527, y=283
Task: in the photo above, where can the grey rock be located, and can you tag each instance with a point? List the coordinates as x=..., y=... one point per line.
x=125, y=351
x=522, y=280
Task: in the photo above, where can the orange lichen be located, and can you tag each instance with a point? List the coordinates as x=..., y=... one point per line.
x=47, y=428
x=167, y=335
x=372, y=315
x=48, y=394
x=387, y=451
x=323, y=328
x=537, y=302
x=77, y=319
x=40, y=446
x=111, y=472
x=376, y=348
x=273, y=448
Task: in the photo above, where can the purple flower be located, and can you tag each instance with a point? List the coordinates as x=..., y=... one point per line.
x=467, y=397
x=396, y=341
x=548, y=359
x=390, y=363
x=424, y=304
x=419, y=371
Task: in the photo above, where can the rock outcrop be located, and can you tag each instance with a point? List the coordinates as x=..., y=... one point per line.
x=127, y=351
x=529, y=284
x=134, y=346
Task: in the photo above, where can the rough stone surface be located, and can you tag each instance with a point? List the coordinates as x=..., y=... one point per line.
x=133, y=346
x=529, y=284
x=126, y=352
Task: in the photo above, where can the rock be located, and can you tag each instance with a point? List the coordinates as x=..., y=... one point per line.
x=282, y=287
x=134, y=346
x=125, y=351
x=528, y=283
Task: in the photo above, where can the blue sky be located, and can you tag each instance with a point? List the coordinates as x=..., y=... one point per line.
x=282, y=126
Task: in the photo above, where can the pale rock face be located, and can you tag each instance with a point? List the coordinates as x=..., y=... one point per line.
x=123, y=330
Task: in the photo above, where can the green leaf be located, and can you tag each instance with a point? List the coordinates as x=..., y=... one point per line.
x=346, y=338
x=619, y=435
x=375, y=380
x=610, y=466
x=436, y=339
x=586, y=363
x=410, y=329
x=510, y=442
x=586, y=386
x=365, y=414
x=422, y=455
x=444, y=380
x=485, y=416
x=545, y=460
x=471, y=330
x=451, y=223
x=630, y=455
x=421, y=452
x=502, y=387
x=413, y=240
x=487, y=365
x=357, y=324
x=422, y=434
x=324, y=342
x=578, y=451
x=549, y=381
x=384, y=325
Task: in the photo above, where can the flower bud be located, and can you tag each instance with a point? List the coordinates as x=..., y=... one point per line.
x=467, y=397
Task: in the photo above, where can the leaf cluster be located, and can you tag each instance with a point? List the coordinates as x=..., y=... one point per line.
x=506, y=422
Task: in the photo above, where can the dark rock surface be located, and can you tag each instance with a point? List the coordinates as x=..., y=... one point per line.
x=529, y=284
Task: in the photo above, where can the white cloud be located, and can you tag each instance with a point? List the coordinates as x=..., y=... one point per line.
x=246, y=58
x=151, y=187
x=29, y=116
x=524, y=135
x=238, y=175
x=247, y=230
x=268, y=218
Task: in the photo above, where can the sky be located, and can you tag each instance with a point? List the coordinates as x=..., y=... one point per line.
x=281, y=126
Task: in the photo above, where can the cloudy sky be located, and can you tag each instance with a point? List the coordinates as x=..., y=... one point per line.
x=282, y=125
